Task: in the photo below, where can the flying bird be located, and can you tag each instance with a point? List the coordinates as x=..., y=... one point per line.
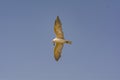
x=59, y=40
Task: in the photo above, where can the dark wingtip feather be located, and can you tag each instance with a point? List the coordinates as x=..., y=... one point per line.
x=57, y=21
x=57, y=58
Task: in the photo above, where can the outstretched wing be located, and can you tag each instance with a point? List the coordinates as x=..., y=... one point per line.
x=58, y=50
x=58, y=28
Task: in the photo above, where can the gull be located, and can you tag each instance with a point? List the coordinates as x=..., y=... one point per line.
x=59, y=40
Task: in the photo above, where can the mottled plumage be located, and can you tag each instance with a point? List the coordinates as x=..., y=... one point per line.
x=59, y=40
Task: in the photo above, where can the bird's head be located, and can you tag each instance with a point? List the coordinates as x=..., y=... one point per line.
x=53, y=42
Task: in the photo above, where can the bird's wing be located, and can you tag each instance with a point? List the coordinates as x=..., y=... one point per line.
x=58, y=28
x=58, y=50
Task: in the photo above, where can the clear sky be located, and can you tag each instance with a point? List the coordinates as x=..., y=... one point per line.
x=26, y=32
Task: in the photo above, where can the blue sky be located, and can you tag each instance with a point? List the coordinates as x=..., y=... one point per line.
x=26, y=31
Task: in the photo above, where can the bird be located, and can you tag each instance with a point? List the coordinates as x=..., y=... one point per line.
x=59, y=40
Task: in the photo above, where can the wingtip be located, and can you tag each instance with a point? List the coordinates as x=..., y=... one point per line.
x=57, y=18
x=57, y=21
x=57, y=58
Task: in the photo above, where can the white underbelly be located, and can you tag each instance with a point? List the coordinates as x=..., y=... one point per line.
x=58, y=40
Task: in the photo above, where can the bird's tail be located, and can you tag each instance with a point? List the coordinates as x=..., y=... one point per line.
x=68, y=42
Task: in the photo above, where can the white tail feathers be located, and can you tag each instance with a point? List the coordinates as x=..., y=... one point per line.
x=68, y=42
